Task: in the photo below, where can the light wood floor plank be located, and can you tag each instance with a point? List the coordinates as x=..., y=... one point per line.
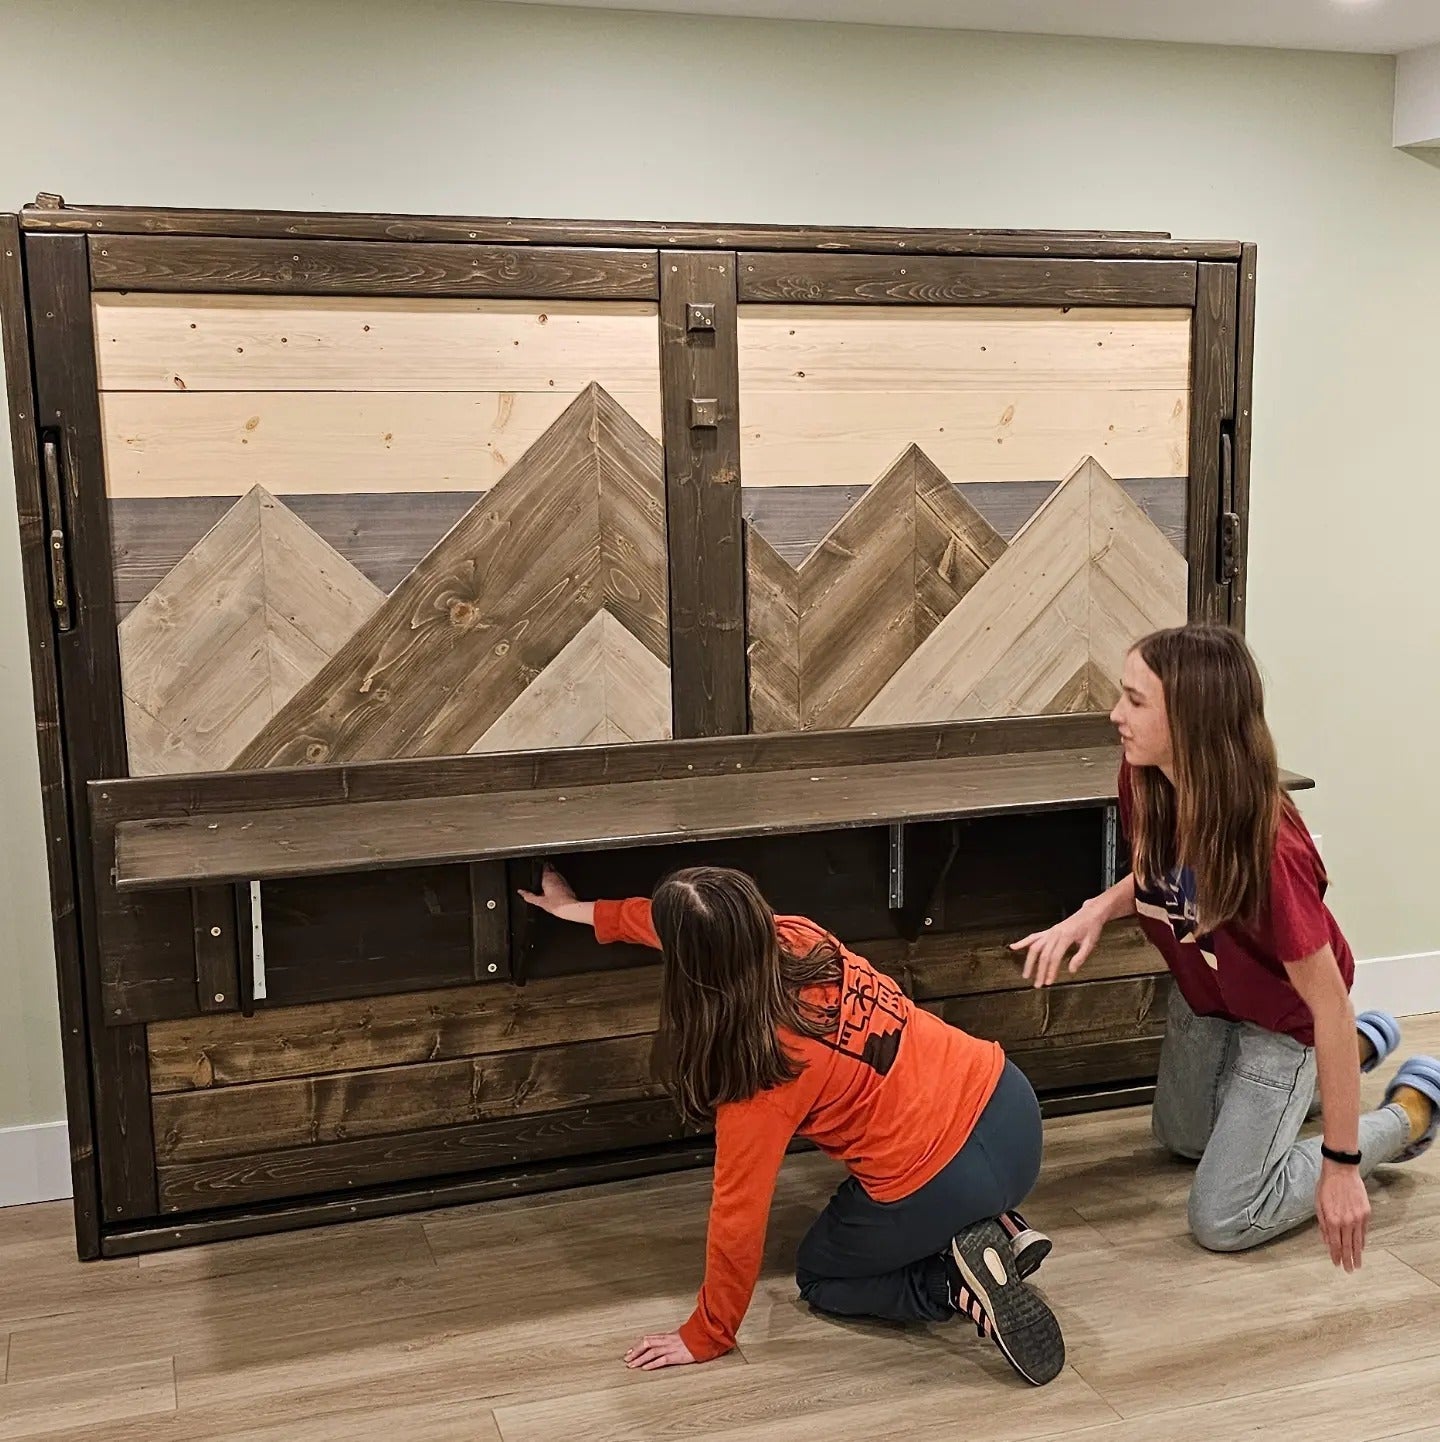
x=87, y=1399
x=417, y=1327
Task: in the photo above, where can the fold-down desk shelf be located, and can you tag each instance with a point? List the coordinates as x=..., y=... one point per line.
x=207, y=848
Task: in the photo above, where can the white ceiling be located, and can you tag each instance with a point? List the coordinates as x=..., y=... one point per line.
x=1383, y=27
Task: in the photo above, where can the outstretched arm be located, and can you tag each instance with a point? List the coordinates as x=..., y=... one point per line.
x=558, y=898
x=1045, y=951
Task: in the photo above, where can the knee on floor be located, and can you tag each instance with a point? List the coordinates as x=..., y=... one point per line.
x=1219, y=1231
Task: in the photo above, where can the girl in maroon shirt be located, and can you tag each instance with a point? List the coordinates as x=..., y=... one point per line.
x=1228, y=886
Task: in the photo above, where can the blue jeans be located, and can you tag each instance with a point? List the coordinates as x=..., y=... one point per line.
x=1233, y=1097
x=864, y=1258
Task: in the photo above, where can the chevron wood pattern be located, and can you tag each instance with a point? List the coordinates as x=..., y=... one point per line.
x=604, y=687
x=876, y=586
x=1048, y=624
x=249, y=615
x=576, y=525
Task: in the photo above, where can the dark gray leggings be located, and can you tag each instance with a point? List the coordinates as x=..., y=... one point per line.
x=863, y=1258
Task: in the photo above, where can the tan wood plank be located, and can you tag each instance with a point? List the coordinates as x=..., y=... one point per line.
x=86, y=1399
x=951, y=348
x=253, y=611
x=1045, y=560
x=358, y=343
x=848, y=438
x=325, y=442
x=772, y=635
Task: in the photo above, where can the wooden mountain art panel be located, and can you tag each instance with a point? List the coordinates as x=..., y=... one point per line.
x=1047, y=627
x=264, y=646
x=249, y=615
x=826, y=636
x=915, y=609
x=574, y=528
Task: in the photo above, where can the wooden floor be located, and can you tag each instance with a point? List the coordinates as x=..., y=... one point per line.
x=508, y=1321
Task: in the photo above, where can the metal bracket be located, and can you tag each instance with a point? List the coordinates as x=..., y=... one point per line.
x=704, y=414
x=257, y=945
x=55, y=508
x=897, y=866
x=1110, y=864
x=700, y=315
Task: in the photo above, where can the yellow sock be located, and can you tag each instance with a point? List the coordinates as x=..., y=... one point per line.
x=1417, y=1107
x=1367, y=1048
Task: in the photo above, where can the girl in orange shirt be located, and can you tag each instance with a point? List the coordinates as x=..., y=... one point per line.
x=771, y=1029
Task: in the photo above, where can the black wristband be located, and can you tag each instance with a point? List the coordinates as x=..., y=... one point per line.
x=1347, y=1159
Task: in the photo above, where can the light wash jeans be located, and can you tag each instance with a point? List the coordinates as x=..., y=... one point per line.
x=1234, y=1097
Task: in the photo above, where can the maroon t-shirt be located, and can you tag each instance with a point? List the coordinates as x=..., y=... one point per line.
x=1238, y=972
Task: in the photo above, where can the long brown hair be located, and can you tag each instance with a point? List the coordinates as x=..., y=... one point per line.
x=727, y=986
x=1221, y=815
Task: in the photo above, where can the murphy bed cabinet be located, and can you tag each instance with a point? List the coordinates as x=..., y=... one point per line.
x=369, y=560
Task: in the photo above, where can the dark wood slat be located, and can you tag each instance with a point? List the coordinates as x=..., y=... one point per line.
x=327, y=938
x=388, y=1201
x=119, y=220
x=702, y=492
x=121, y=799
x=338, y=1166
x=343, y=267
x=45, y=686
x=312, y=1110
x=1097, y=1099
x=217, y=949
x=967, y=964
x=309, y=841
x=934, y=280
x=1212, y=362
x=383, y=835
x=1105, y=1063
x=489, y=922
x=1078, y=1013
x=67, y=400
x=1244, y=426
x=402, y=1030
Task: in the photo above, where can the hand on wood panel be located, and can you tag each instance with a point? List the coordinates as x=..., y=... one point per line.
x=558, y=898
x=1045, y=951
x=661, y=1349
x=1342, y=1207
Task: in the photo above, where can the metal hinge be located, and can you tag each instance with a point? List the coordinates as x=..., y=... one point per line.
x=55, y=546
x=1229, y=547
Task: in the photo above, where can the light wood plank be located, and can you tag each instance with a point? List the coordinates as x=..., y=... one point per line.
x=326, y=442
x=86, y=1399
x=577, y=526
x=951, y=348
x=604, y=687
x=848, y=438
x=250, y=614
x=353, y=343
x=1043, y=564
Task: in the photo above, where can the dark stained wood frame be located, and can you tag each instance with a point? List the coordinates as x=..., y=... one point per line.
x=54, y=798
x=962, y=280
x=68, y=251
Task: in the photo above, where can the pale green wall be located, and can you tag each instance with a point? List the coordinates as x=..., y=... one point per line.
x=349, y=104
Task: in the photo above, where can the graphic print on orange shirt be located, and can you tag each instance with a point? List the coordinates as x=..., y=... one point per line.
x=872, y=1019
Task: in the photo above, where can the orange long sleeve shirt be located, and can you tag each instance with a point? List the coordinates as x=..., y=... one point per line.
x=893, y=1094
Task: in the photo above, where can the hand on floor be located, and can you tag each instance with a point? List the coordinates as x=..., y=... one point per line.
x=1342, y=1207
x=662, y=1349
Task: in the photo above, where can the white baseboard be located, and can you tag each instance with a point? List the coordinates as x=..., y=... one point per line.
x=34, y=1164
x=1404, y=985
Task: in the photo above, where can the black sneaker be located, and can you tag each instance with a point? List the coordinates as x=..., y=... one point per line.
x=1030, y=1246
x=986, y=1287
